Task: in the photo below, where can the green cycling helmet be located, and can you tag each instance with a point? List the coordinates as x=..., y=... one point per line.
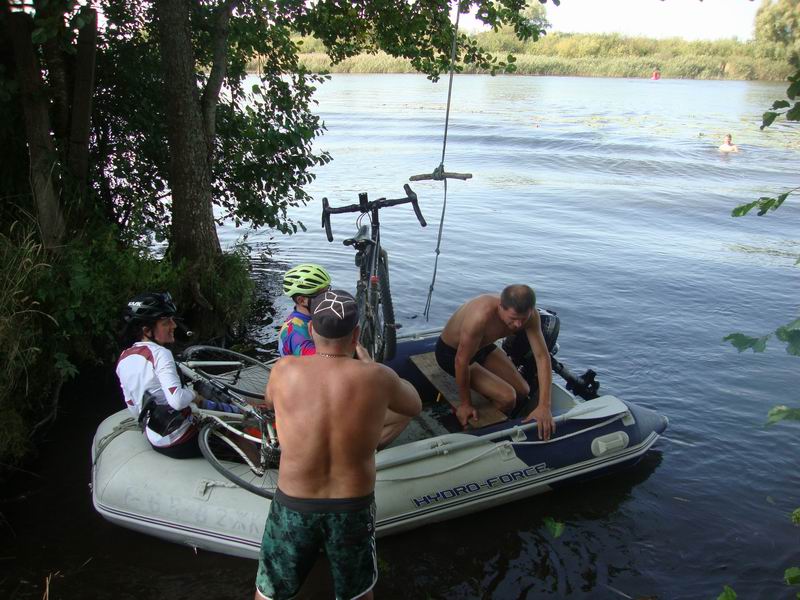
x=305, y=280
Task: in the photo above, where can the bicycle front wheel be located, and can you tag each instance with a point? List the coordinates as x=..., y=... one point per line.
x=240, y=457
x=237, y=372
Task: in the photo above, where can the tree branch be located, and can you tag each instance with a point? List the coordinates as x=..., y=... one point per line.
x=219, y=68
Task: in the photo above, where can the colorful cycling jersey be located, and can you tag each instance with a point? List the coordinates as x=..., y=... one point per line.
x=149, y=367
x=294, y=338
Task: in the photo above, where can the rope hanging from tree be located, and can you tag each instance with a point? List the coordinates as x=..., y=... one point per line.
x=439, y=173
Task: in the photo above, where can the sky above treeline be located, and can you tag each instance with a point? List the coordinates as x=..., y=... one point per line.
x=687, y=19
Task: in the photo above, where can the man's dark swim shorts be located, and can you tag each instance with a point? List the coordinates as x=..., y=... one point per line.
x=298, y=528
x=446, y=356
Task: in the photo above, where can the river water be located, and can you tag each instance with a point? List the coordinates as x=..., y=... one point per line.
x=610, y=198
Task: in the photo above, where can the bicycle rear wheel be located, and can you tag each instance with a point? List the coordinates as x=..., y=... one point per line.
x=378, y=333
x=385, y=308
x=222, y=445
x=237, y=372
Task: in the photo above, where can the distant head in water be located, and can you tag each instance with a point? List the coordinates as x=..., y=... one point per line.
x=728, y=145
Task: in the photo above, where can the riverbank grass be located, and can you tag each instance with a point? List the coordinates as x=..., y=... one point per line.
x=587, y=55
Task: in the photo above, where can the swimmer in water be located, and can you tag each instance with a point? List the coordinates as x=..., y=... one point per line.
x=728, y=145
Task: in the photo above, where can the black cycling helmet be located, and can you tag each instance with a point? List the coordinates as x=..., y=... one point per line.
x=149, y=307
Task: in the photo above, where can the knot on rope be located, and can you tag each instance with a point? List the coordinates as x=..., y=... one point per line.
x=438, y=173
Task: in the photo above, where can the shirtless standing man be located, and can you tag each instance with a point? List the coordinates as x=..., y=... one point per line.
x=330, y=409
x=466, y=350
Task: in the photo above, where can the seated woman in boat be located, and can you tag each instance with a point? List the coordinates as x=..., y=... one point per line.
x=301, y=284
x=149, y=378
x=728, y=145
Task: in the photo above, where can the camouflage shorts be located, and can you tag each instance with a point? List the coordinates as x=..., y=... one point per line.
x=297, y=529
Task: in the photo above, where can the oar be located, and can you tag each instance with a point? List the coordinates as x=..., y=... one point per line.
x=599, y=408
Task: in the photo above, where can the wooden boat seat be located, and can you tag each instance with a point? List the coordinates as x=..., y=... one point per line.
x=446, y=385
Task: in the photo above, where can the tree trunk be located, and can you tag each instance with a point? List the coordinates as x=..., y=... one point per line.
x=58, y=78
x=82, y=102
x=194, y=234
x=43, y=156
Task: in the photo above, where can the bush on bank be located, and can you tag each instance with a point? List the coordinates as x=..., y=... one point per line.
x=61, y=312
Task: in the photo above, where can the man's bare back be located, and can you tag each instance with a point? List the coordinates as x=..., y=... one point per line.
x=330, y=414
x=480, y=312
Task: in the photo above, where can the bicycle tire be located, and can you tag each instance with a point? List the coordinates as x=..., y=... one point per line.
x=216, y=446
x=238, y=372
x=389, y=331
x=367, y=327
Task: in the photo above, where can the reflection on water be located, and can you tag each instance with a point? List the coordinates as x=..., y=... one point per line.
x=520, y=558
x=609, y=196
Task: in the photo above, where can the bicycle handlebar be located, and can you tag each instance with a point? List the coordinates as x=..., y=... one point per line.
x=365, y=206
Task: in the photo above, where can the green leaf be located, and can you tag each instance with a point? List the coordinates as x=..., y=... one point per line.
x=793, y=90
x=39, y=36
x=744, y=342
x=743, y=209
x=780, y=104
x=781, y=413
x=796, y=516
x=790, y=335
x=768, y=118
x=792, y=576
x=727, y=594
x=65, y=366
x=793, y=114
x=554, y=527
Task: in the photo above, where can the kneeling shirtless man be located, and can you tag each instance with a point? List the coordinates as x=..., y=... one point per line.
x=331, y=410
x=467, y=351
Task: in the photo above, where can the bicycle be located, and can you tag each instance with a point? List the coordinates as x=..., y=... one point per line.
x=373, y=296
x=227, y=376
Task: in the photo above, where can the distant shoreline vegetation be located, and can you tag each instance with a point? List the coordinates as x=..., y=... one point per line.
x=590, y=55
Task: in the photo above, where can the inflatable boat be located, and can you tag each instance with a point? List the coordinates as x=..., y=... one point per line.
x=434, y=471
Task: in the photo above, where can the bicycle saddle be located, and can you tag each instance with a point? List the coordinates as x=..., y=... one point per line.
x=360, y=239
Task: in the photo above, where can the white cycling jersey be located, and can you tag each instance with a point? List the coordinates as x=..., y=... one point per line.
x=149, y=367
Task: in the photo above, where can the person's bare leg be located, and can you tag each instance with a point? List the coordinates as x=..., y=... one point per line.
x=500, y=364
x=498, y=391
x=393, y=425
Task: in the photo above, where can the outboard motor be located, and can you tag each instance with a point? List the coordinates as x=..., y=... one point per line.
x=519, y=351
x=518, y=348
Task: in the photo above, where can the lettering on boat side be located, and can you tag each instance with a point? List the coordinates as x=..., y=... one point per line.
x=197, y=514
x=476, y=486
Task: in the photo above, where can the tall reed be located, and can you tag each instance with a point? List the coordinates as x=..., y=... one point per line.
x=22, y=257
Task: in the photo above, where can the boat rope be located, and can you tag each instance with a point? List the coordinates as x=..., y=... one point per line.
x=129, y=424
x=438, y=172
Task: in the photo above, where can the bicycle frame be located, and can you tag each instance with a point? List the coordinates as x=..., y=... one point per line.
x=268, y=432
